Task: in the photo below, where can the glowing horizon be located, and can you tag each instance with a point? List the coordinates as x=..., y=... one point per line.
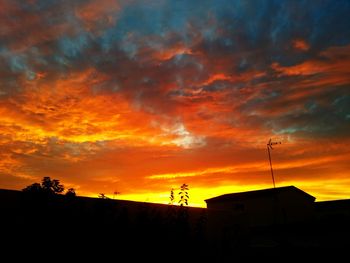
x=142, y=96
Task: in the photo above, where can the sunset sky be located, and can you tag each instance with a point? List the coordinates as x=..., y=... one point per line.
x=142, y=96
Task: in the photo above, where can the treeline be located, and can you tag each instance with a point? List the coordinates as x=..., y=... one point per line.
x=48, y=187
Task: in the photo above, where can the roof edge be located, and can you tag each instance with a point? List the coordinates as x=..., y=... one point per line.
x=267, y=190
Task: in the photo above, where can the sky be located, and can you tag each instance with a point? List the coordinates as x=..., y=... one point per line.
x=139, y=97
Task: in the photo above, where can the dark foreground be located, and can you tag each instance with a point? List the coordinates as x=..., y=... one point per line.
x=57, y=227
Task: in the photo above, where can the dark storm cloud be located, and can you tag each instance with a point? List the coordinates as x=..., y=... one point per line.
x=156, y=52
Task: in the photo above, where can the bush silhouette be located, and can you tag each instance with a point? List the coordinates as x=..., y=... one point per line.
x=71, y=192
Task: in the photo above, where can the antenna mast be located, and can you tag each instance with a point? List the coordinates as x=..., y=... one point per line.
x=269, y=146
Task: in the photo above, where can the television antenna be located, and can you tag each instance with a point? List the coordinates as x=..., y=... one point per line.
x=269, y=146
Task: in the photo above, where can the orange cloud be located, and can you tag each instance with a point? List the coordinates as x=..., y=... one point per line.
x=332, y=67
x=246, y=76
x=301, y=44
x=166, y=54
x=309, y=80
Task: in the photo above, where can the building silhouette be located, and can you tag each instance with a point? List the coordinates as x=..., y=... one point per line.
x=267, y=206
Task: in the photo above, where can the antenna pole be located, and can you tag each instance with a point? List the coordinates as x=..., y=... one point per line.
x=269, y=146
x=273, y=178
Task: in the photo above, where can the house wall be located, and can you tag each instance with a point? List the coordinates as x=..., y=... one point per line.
x=226, y=229
x=282, y=208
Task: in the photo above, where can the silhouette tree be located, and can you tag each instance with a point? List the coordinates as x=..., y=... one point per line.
x=71, y=192
x=102, y=196
x=57, y=187
x=115, y=193
x=47, y=186
x=184, y=196
x=33, y=188
x=52, y=186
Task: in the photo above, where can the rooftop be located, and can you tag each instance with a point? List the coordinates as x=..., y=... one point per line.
x=259, y=193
